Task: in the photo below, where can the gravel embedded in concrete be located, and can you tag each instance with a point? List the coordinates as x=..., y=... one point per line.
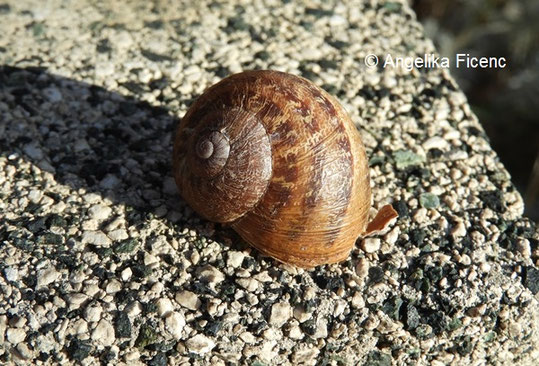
x=102, y=262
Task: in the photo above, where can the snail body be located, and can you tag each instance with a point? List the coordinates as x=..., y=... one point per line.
x=279, y=160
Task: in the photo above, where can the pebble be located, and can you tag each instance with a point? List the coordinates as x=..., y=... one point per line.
x=267, y=352
x=15, y=335
x=81, y=145
x=477, y=311
x=250, y=284
x=113, y=286
x=211, y=274
x=295, y=332
x=188, y=300
x=99, y=212
x=109, y=182
x=200, y=344
x=357, y=301
x=405, y=159
x=126, y=274
x=175, y=322
x=459, y=230
x=47, y=276
x=92, y=313
x=131, y=357
x=305, y=355
x=248, y=337
x=35, y=195
x=157, y=289
x=133, y=309
x=392, y=236
x=118, y=234
x=52, y=94
x=280, y=313
x=337, y=20
x=25, y=351
x=362, y=268
x=524, y=248
x=33, y=151
x=435, y=142
x=11, y=273
x=515, y=330
x=321, y=331
x=420, y=215
x=164, y=306
x=429, y=200
x=104, y=333
x=80, y=326
x=234, y=258
x=95, y=237
x=150, y=259
x=371, y=245
x=301, y=314
x=18, y=321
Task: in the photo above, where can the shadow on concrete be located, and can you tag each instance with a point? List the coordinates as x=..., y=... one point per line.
x=90, y=138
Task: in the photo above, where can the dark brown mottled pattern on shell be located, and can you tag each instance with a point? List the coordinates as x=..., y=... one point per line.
x=315, y=204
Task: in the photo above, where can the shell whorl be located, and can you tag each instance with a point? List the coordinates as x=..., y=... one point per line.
x=301, y=171
x=222, y=161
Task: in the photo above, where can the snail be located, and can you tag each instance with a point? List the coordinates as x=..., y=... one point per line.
x=278, y=159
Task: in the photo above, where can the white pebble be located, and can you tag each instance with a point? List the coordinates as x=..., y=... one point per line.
x=357, y=301
x=248, y=337
x=200, y=344
x=524, y=248
x=47, y=276
x=134, y=309
x=235, y=258
x=118, y=234
x=174, y=323
x=336, y=20
x=113, y=286
x=95, y=237
x=321, y=330
x=11, y=273
x=35, y=195
x=250, y=284
x=93, y=313
x=15, y=335
x=104, y=333
x=435, y=142
x=459, y=230
x=150, y=259
x=126, y=274
x=99, y=212
x=211, y=274
x=188, y=300
x=392, y=236
x=164, y=306
x=25, y=351
x=280, y=313
x=301, y=315
x=370, y=245
x=295, y=332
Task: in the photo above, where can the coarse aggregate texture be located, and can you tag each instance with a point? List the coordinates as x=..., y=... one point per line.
x=103, y=263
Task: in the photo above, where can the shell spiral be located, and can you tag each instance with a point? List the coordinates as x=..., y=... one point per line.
x=278, y=159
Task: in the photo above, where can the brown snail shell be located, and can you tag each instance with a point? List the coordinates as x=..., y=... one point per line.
x=278, y=159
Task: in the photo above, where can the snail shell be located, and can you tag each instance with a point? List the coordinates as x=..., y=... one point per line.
x=278, y=159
